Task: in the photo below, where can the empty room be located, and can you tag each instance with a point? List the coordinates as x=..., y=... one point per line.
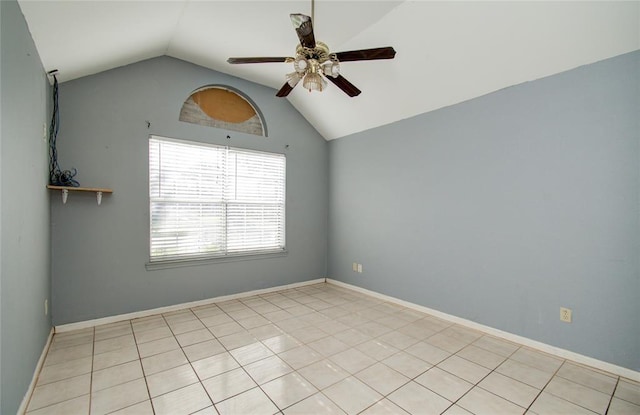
x=319, y=207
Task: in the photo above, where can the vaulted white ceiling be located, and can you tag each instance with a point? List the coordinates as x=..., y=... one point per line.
x=447, y=52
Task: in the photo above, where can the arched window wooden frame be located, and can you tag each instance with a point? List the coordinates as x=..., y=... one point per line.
x=223, y=107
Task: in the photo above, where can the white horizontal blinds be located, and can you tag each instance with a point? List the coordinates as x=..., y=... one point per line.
x=186, y=172
x=186, y=194
x=186, y=230
x=209, y=200
x=255, y=195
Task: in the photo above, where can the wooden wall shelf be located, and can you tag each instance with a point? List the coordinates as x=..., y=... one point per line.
x=66, y=189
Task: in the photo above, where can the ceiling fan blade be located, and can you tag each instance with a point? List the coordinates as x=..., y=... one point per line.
x=258, y=60
x=284, y=91
x=366, y=54
x=348, y=88
x=304, y=29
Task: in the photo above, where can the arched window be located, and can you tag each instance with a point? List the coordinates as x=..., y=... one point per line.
x=222, y=107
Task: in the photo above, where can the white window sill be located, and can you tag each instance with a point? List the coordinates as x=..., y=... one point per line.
x=179, y=263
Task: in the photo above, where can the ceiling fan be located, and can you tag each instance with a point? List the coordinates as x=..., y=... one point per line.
x=314, y=63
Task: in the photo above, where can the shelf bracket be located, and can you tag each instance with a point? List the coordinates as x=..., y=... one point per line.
x=65, y=191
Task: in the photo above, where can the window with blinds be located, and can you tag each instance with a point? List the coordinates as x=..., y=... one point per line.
x=213, y=201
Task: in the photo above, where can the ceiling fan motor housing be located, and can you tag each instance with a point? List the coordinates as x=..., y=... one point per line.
x=317, y=59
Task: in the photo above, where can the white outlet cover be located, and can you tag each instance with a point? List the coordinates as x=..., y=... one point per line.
x=565, y=314
x=360, y=268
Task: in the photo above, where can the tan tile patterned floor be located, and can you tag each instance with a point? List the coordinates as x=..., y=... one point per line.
x=318, y=349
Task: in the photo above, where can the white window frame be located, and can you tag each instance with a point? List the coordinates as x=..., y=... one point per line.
x=274, y=204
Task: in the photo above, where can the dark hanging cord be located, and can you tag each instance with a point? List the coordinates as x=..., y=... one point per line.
x=58, y=177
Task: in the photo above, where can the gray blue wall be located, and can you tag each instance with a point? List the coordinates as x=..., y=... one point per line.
x=24, y=208
x=504, y=208
x=99, y=252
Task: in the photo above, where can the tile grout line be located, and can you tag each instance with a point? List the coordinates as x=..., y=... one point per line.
x=275, y=354
x=144, y=375
x=612, y=395
x=213, y=404
x=555, y=373
x=353, y=375
x=280, y=410
x=432, y=366
x=413, y=379
x=293, y=370
x=188, y=361
x=477, y=384
x=200, y=381
x=93, y=350
x=227, y=350
x=320, y=391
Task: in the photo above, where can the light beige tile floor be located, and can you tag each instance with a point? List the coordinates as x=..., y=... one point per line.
x=318, y=349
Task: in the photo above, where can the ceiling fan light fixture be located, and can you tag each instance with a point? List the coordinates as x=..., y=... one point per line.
x=314, y=82
x=300, y=64
x=331, y=68
x=293, y=78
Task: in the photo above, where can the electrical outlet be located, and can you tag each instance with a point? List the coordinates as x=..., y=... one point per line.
x=46, y=306
x=565, y=314
x=354, y=267
x=360, y=268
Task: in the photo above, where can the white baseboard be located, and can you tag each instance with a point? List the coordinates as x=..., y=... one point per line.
x=27, y=396
x=145, y=313
x=556, y=351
